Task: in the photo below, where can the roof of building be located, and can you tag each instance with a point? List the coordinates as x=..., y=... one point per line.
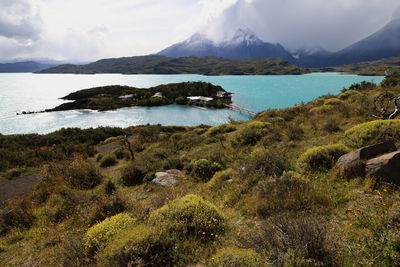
x=159, y=94
x=223, y=94
x=126, y=96
x=200, y=98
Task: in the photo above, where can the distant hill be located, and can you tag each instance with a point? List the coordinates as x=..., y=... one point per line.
x=380, y=67
x=26, y=66
x=243, y=45
x=156, y=64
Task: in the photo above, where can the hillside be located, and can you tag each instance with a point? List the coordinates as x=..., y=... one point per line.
x=259, y=193
x=185, y=65
x=379, y=67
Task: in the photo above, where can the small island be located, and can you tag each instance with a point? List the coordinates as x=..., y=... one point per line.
x=116, y=96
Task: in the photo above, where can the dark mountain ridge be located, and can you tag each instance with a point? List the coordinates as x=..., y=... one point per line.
x=25, y=66
x=243, y=45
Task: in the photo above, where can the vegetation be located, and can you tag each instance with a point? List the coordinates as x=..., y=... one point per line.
x=100, y=234
x=190, y=215
x=379, y=67
x=259, y=193
x=322, y=157
x=185, y=65
x=236, y=257
x=372, y=132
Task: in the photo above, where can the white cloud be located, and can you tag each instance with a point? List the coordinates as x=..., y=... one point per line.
x=20, y=21
x=330, y=24
x=93, y=29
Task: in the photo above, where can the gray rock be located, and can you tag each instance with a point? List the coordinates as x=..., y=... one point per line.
x=168, y=178
x=385, y=167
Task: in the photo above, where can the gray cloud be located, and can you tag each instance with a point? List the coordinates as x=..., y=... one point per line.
x=19, y=21
x=298, y=24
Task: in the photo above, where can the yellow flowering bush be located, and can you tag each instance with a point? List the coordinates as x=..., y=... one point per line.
x=321, y=157
x=371, y=133
x=235, y=257
x=140, y=246
x=99, y=234
x=190, y=215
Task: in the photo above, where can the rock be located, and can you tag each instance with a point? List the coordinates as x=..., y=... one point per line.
x=385, y=167
x=168, y=178
x=352, y=164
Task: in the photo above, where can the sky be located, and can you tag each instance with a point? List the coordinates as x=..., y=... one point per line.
x=76, y=30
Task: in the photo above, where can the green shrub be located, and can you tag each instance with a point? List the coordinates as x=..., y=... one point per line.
x=322, y=157
x=57, y=208
x=323, y=109
x=333, y=102
x=105, y=209
x=294, y=132
x=290, y=192
x=252, y=133
x=121, y=153
x=203, y=169
x=220, y=178
x=236, y=257
x=263, y=162
x=109, y=187
x=80, y=174
x=132, y=176
x=330, y=125
x=99, y=157
x=181, y=100
x=190, y=215
x=372, y=132
x=13, y=173
x=108, y=161
x=139, y=246
x=15, y=215
x=224, y=128
x=100, y=234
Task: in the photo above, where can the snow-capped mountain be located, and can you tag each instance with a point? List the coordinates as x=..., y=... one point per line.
x=242, y=45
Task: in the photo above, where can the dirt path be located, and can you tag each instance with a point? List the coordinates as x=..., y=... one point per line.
x=15, y=188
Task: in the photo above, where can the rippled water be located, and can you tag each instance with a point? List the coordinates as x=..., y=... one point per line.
x=33, y=92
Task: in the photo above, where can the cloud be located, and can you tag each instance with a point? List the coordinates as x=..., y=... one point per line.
x=93, y=29
x=297, y=24
x=19, y=21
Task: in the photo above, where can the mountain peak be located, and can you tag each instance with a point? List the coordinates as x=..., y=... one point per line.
x=241, y=44
x=243, y=36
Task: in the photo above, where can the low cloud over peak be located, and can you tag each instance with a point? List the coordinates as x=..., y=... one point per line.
x=305, y=23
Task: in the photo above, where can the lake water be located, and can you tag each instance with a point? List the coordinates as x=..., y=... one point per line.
x=34, y=92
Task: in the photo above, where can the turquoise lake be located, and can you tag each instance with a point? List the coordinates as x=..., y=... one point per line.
x=35, y=92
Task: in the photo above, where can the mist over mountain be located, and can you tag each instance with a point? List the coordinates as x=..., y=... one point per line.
x=245, y=45
x=242, y=45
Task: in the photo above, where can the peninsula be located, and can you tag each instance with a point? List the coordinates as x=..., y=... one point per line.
x=116, y=96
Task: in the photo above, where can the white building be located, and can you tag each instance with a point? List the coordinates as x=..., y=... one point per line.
x=200, y=98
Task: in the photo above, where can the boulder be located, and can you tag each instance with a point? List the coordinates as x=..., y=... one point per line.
x=385, y=167
x=352, y=164
x=168, y=178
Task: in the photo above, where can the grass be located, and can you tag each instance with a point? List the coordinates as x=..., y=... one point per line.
x=269, y=206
